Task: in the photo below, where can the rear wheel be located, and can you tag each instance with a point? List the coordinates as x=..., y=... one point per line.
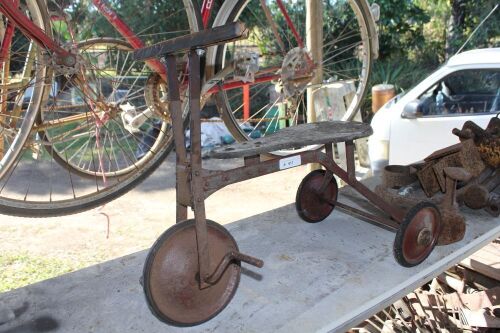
x=269, y=74
x=117, y=123
x=95, y=152
x=418, y=234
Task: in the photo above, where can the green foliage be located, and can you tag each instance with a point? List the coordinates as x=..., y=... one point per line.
x=434, y=31
x=403, y=75
x=153, y=20
x=20, y=269
x=489, y=34
x=401, y=27
x=418, y=29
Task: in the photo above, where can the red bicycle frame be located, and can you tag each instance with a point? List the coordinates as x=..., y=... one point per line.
x=17, y=19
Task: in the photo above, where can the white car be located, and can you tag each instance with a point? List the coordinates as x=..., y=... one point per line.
x=413, y=125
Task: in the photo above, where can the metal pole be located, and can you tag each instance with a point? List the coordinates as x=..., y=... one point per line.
x=314, y=43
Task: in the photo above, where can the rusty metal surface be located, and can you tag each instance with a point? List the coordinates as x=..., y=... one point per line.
x=487, y=140
x=470, y=158
x=459, y=174
x=378, y=220
x=465, y=155
x=481, y=194
x=297, y=137
x=428, y=179
x=396, y=176
x=175, y=106
x=316, y=196
x=443, y=163
x=453, y=226
x=228, y=259
x=444, y=152
x=201, y=39
x=453, y=223
x=493, y=205
x=171, y=275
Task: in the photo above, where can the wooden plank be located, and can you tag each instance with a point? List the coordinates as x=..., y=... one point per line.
x=296, y=137
x=486, y=257
x=485, y=261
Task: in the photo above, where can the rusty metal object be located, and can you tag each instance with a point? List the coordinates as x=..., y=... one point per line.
x=193, y=269
x=444, y=152
x=464, y=154
x=476, y=196
x=418, y=234
x=453, y=229
x=493, y=205
x=396, y=176
x=309, y=201
x=470, y=158
x=428, y=179
x=228, y=259
x=452, y=160
x=171, y=275
x=481, y=195
x=405, y=197
x=218, y=35
x=487, y=140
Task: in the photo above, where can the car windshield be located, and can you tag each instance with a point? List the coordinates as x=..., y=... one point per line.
x=466, y=91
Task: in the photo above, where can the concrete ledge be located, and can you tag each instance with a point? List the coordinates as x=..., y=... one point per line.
x=319, y=277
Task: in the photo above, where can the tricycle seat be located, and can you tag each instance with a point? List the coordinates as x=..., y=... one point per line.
x=297, y=137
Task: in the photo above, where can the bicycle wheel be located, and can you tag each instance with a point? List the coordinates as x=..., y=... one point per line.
x=267, y=87
x=21, y=83
x=95, y=151
x=111, y=118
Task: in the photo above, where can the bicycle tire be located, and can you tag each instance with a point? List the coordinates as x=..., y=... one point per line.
x=218, y=56
x=68, y=201
x=122, y=148
x=22, y=85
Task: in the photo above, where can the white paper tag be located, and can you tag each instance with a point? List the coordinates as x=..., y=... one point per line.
x=290, y=162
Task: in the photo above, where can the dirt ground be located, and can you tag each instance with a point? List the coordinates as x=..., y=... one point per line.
x=35, y=249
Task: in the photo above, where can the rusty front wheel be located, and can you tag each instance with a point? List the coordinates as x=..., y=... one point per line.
x=418, y=234
x=311, y=205
x=171, y=275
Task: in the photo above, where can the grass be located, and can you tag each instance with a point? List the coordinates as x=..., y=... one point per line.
x=20, y=269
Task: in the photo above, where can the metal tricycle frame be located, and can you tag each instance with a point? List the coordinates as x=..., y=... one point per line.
x=194, y=183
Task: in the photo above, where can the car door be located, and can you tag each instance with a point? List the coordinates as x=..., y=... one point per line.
x=471, y=94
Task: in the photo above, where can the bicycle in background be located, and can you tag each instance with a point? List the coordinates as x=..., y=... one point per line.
x=76, y=113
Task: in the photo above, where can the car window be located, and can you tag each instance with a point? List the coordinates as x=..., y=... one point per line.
x=474, y=91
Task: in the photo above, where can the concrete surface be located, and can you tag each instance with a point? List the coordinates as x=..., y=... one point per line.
x=319, y=277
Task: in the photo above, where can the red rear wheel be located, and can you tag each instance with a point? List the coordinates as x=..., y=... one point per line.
x=418, y=234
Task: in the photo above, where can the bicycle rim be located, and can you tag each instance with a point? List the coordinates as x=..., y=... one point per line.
x=282, y=101
x=47, y=183
x=116, y=123
x=22, y=85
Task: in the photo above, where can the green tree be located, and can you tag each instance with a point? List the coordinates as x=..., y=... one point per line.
x=401, y=28
x=465, y=16
x=153, y=20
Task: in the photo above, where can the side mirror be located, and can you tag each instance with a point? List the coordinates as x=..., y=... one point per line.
x=411, y=110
